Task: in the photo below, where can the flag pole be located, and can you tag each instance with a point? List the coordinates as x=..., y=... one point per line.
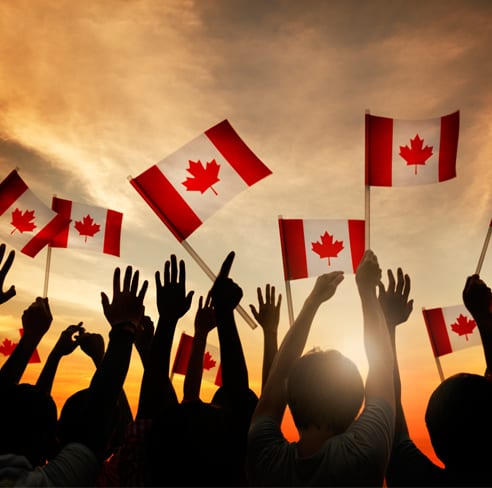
x=212, y=276
x=47, y=271
x=367, y=195
x=290, y=308
x=484, y=249
x=439, y=368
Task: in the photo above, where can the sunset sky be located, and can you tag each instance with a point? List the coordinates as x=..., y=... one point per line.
x=94, y=92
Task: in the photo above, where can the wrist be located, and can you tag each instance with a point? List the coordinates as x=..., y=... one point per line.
x=126, y=325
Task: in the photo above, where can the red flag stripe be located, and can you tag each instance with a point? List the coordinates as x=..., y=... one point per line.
x=293, y=248
x=237, y=153
x=448, y=146
x=438, y=334
x=166, y=202
x=112, y=232
x=379, y=147
x=63, y=207
x=11, y=188
x=357, y=241
x=45, y=235
x=182, y=354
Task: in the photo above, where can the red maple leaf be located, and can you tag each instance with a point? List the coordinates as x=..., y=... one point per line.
x=327, y=248
x=416, y=154
x=86, y=227
x=203, y=176
x=463, y=326
x=22, y=221
x=7, y=347
x=208, y=361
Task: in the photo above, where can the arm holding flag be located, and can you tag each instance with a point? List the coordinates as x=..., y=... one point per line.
x=477, y=298
x=36, y=321
x=204, y=323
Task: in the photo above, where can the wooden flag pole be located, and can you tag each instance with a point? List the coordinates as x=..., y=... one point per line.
x=367, y=195
x=290, y=308
x=484, y=249
x=47, y=271
x=439, y=368
x=212, y=276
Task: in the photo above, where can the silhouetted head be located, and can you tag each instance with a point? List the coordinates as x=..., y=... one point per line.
x=192, y=444
x=28, y=422
x=324, y=389
x=459, y=421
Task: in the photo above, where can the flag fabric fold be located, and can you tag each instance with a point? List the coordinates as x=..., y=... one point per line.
x=451, y=329
x=9, y=339
x=92, y=228
x=211, y=360
x=311, y=247
x=26, y=223
x=411, y=152
x=191, y=184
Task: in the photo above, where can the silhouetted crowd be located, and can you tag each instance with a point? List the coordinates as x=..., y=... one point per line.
x=352, y=431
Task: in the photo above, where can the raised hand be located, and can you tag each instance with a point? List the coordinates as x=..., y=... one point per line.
x=69, y=339
x=93, y=345
x=37, y=318
x=477, y=297
x=226, y=294
x=368, y=274
x=143, y=339
x=326, y=286
x=268, y=312
x=6, y=295
x=127, y=306
x=172, y=299
x=205, y=316
x=394, y=299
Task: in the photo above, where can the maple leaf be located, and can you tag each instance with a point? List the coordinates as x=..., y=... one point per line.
x=327, y=248
x=203, y=176
x=86, y=227
x=7, y=347
x=208, y=361
x=416, y=154
x=22, y=221
x=463, y=326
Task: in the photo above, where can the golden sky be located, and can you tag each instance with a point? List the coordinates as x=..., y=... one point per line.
x=94, y=92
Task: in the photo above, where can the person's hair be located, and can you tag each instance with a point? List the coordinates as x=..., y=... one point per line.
x=324, y=389
x=459, y=421
x=29, y=422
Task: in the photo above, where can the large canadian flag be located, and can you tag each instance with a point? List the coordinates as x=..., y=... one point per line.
x=311, y=247
x=191, y=184
x=92, y=228
x=450, y=329
x=8, y=342
x=411, y=152
x=211, y=360
x=26, y=223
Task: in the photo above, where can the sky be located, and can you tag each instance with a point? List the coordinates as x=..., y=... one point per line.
x=92, y=93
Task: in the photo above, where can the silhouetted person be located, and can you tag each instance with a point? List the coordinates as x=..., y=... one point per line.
x=325, y=392
x=457, y=415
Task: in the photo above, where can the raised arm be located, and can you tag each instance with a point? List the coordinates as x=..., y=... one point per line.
x=226, y=295
x=273, y=400
x=477, y=298
x=36, y=321
x=268, y=316
x=66, y=344
x=204, y=323
x=379, y=352
x=396, y=308
x=157, y=391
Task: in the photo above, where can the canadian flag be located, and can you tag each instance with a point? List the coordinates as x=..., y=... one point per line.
x=450, y=329
x=93, y=228
x=9, y=340
x=411, y=152
x=191, y=184
x=211, y=360
x=26, y=223
x=311, y=247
